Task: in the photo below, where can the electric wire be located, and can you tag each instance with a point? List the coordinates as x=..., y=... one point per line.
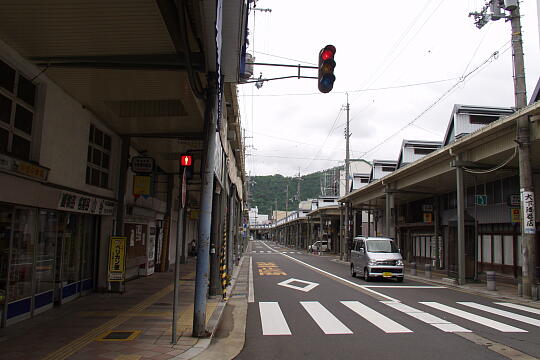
x=495, y=168
x=325, y=140
x=462, y=80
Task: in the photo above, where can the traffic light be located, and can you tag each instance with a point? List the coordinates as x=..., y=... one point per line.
x=186, y=163
x=326, y=68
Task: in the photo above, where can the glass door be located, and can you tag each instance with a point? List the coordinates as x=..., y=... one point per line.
x=88, y=250
x=45, y=260
x=6, y=217
x=71, y=258
x=20, y=287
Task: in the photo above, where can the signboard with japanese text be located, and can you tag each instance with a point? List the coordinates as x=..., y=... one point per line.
x=142, y=164
x=516, y=215
x=527, y=208
x=428, y=217
x=142, y=185
x=85, y=204
x=117, y=259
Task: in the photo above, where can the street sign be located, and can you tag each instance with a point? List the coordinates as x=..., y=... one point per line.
x=117, y=258
x=142, y=164
x=480, y=200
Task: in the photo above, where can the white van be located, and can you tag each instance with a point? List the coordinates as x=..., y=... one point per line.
x=376, y=257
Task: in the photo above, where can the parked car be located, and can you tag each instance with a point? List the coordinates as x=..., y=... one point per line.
x=376, y=257
x=318, y=246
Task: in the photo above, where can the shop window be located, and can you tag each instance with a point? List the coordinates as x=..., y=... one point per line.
x=508, y=245
x=17, y=101
x=98, y=158
x=497, y=249
x=486, y=248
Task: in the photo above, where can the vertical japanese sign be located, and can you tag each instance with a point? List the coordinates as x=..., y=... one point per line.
x=527, y=208
x=117, y=259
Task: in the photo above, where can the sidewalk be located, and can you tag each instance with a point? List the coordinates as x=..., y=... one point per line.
x=136, y=325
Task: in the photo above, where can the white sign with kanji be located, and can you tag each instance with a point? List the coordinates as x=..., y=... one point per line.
x=529, y=217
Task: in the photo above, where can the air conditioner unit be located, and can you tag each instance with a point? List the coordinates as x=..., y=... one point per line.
x=510, y=4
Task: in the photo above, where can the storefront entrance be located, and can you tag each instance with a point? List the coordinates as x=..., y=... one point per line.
x=453, y=251
x=44, y=256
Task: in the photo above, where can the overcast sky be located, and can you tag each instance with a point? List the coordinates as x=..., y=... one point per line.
x=404, y=65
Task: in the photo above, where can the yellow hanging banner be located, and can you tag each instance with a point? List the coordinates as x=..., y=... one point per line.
x=141, y=185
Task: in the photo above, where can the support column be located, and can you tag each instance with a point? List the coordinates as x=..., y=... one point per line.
x=387, y=212
x=460, y=224
x=122, y=181
x=436, y=226
x=205, y=219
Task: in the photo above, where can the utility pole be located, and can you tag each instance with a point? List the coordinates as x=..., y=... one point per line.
x=344, y=242
x=528, y=226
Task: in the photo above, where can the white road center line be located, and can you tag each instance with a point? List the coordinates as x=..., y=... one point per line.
x=382, y=322
x=520, y=307
x=473, y=317
x=272, y=320
x=432, y=320
x=339, y=278
x=504, y=313
x=251, y=290
x=328, y=323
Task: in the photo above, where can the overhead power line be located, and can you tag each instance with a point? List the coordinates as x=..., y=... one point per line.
x=461, y=80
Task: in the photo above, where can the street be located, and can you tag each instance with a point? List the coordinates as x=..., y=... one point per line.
x=306, y=306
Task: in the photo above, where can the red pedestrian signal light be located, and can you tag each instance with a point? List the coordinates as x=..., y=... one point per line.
x=326, y=68
x=186, y=160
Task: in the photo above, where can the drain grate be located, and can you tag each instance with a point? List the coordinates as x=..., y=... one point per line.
x=119, y=335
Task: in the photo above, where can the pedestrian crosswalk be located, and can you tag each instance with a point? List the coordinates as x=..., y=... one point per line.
x=275, y=252
x=274, y=322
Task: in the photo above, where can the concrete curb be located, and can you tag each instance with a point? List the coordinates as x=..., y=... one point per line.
x=214, y=321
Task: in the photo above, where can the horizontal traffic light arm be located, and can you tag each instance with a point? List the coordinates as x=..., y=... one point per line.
x=283, y=65
x=283, y=77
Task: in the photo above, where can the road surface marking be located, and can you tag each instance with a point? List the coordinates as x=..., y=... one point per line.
x=272, y=320
x=405, y=286
x=520, y=307
x=251, y=291
x=308, y=284
x=504, y=313
x=472, y=317
x=341, y=279
x=269, y=268
x=382, y=322
x=328, y=323
x=427, y=318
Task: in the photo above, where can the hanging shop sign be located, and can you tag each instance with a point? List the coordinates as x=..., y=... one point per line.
x=141, y=185
x=514, y=200
x=117, y=258
x=142, y=164
x=516, y=215
x=74, y=202
x=428, y=217
x=527, y=207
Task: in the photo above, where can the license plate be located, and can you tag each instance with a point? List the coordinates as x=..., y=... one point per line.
x=387, y=274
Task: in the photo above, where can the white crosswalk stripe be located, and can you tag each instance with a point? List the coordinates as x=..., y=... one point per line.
x=520, y=307
x=473, y=317
x=272, y=319
x=382, y=322
x=328, y=323
x=432, y=320
x=508, y=314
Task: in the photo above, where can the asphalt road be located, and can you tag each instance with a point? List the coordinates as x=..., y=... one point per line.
x=330, y=315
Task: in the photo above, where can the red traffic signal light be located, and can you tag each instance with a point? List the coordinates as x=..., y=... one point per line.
x=326, y=68
x=186, y=160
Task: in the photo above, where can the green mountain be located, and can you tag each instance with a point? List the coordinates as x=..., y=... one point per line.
x=270, y=192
